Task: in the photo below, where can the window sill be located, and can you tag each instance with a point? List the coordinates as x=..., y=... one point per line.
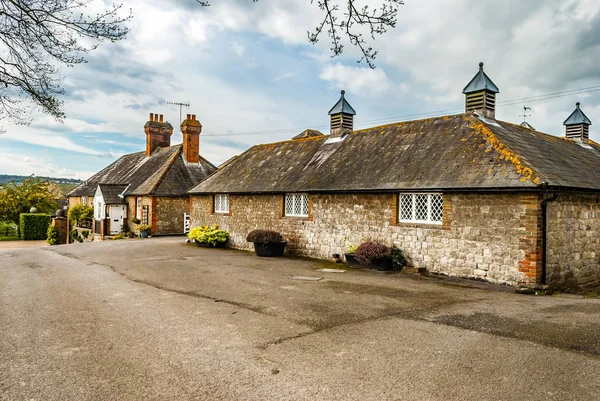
x=296, y=217
x=419, y=225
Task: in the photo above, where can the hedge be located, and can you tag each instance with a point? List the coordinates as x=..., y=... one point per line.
x=34, y=225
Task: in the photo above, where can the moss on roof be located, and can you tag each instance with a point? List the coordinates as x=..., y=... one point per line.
x=460, y=152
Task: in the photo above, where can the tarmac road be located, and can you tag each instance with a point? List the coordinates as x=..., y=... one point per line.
x=159, y=320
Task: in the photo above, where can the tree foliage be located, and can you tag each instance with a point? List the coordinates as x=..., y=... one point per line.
x=20, y=197
x=351, y=20
x=79, y=213
x=36, y=37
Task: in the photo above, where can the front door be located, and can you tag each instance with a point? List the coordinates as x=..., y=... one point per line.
x=116, y=214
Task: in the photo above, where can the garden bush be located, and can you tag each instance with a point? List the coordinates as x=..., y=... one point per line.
x=80, y=212
x=34, y=226
x=52, y=237
x=370, y=252
x=208, y=235
x=264, y=237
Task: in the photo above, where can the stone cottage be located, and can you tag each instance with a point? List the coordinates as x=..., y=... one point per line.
x=150, y=185
x=463, y=195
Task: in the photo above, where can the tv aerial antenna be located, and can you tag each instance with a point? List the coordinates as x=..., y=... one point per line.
x=525, y=114
x=181, y=105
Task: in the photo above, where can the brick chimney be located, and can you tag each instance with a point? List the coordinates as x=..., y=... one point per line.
x=480, y=95
x=191, y=129
x=341, y=117
x=578, y=125
x=158, y=133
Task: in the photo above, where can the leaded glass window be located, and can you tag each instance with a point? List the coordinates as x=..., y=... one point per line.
x=296, y=205
x=421, y=208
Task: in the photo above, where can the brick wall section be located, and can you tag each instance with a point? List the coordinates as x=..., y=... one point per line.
x=531, y=242
x=131, y=205
x=487, y=236
x=573, y=240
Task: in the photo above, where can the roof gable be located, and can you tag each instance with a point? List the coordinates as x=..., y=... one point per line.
x=144, y=175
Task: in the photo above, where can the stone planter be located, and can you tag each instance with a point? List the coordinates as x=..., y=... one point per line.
x=143, y=234
x=269, y=250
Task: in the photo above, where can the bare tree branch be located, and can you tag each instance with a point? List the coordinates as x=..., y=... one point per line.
x=36, y=37
x=349, y=21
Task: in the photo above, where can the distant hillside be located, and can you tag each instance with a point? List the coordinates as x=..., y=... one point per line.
x=5, y=179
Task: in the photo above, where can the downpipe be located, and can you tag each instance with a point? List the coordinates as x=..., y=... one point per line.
x=544, y=233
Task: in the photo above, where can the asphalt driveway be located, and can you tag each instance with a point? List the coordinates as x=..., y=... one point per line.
x=160, y=320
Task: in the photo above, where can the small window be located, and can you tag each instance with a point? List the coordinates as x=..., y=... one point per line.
x=221, y=203
x=99, y=211
x=138, y=208
x=84, y=200
x=296, y=205
x=421, y=208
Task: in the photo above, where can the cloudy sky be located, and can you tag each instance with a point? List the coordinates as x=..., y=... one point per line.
x=252, y=77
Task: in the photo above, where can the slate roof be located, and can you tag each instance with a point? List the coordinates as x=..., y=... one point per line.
x=342, y=106
x=111, y=192
x=577, y=117
x=453, y=152
x=480, y=82
x=164, y=173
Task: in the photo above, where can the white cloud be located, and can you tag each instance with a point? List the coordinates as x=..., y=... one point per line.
x=359, y=80
x=238, y=48
x=17, y=164
x=284, y=76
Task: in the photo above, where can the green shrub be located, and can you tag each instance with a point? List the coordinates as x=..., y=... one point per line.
x=398, y=258
x=85, y=233
x=135, y=220
x=208, y=235
x=52, y=237
x=144, y=227
x=34, y=226
x=80, y=212
x=118, y=236
x=75, y=237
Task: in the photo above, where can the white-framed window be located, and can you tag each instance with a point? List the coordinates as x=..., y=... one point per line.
x=221, y=203
x=99, y=211
x=138, y=208
x=84, y=200
x=296, y=205
x=421, y=208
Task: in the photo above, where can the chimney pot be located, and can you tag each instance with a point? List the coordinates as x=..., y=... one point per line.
x=161, y=118
x=187, y=117
x=151, y=116
x=193, y=116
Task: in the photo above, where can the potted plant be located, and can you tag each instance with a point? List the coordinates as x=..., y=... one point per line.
x=350, y=254
x=374, y=255
x=267, y=243
x=144, y=230
x=135, y=220
x=210, y=237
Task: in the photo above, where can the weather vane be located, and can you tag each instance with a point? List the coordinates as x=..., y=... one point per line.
x=181, y=105
x=525, y=115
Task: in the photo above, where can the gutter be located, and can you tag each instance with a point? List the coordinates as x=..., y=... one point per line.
x=544, y=206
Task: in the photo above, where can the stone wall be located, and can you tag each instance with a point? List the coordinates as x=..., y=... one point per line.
x=493, y=237
x=167, y=216
x=573, y=240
